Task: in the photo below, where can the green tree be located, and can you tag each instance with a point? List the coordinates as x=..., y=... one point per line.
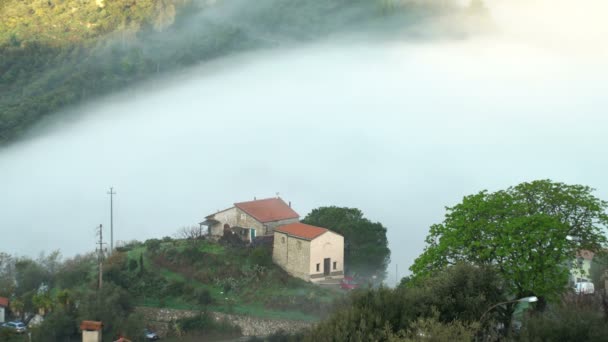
x=112, y=305
x=599, y=271
x=366, y=249
x=522, y=231
x=59, y=325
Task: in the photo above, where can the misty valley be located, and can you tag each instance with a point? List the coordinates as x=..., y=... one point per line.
x=364, y=170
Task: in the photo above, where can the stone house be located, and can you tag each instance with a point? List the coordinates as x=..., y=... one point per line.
x=309, y=252
x=251, y=219
x=3, y=309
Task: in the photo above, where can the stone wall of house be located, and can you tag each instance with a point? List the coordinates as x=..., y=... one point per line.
x=292, y=254
x=225, y=216
x=271, y=226
x=328, y=245
x=235, y=217
x=250, y=326
x=247, y=221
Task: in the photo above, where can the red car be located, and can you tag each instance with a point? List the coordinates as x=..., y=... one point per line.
x=348, y=283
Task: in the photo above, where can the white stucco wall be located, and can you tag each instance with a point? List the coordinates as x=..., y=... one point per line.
x=91, y=336
x=328, y=245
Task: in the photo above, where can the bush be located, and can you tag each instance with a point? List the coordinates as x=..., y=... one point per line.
x=153, y=245
x=458, y=295
x=174, y=288
x=205, y=322
x=566, y=322
x=203, y=297
x=261, y=256
x=230, y=239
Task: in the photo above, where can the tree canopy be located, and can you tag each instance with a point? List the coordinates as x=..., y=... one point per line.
x=366, y=249
x=522, y=231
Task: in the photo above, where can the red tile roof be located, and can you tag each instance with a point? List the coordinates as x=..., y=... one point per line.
x=4, y=302
x=268, y=210
x=301, y=230
x=91, y=325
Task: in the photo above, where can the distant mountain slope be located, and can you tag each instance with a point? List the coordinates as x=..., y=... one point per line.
x=55, y=53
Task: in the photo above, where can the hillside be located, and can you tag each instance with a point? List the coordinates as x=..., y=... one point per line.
x=199, y=274
x=58, y=53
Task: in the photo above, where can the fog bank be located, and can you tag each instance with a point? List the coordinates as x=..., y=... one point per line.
x=397, y=129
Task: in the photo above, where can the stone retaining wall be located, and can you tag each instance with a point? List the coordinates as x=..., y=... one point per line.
x=250, y=326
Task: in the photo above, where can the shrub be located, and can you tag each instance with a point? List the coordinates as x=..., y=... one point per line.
x=174, y=288
x=153, y=245
x=204, y=321
x=566, y=322
x=261, y=256
x=203, y=297
x=132, y=265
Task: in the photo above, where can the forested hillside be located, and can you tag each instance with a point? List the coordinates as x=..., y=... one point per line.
x=54, y=53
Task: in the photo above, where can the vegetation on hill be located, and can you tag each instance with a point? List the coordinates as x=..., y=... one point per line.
x=60, y=52
x=196, y=274
x=181, y=274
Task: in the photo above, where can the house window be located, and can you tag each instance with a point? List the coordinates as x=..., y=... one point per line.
x=318, y=267
x=335, y=265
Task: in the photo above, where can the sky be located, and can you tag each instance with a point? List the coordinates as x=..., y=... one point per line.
x=396, y=128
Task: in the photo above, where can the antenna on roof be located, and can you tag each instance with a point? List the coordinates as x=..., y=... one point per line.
x=277, y=195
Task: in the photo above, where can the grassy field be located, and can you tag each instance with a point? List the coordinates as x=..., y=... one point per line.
x=238, y=280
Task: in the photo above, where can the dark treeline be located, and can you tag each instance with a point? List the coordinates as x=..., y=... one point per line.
x=61, y=52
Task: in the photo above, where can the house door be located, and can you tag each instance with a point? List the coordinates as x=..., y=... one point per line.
x=326, y=264
x=252, y=234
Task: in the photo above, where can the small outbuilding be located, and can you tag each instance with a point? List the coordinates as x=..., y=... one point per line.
x=91, y=331
x=309, y=252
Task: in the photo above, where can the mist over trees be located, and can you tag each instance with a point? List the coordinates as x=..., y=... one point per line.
x=58, y=53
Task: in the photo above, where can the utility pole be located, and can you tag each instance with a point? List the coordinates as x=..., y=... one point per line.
x=100, y=254
x=111, y=193
x=396, y=275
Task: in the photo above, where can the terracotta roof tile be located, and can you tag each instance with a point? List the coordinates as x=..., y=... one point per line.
x=4, y=302
x=268, y=210
x=301, y=230
x=91, y=325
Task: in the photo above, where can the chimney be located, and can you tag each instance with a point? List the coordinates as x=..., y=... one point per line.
x=255, y=199
x=290, y=204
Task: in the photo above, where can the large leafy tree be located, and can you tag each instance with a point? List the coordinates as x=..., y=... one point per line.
x=522, y=231
x=365, y=243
